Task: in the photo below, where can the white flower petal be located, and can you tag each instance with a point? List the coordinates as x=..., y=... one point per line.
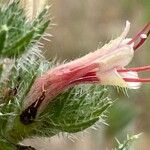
x=114, y=78
x=109, y=49
x=133, y=75
x=111, y=78
x=113, y=44
x=126, y=40
x=117, y=59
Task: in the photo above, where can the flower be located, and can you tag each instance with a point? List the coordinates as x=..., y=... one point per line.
x=112, y=59
x=105, y=66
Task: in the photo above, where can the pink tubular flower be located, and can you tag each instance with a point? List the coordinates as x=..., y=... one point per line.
x=105, y=66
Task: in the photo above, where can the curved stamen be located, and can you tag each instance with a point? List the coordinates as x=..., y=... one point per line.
x=139, y=34
x=137, y=69
x=142, y=40
x=137, y=79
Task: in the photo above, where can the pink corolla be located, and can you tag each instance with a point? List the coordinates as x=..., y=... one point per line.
x=105, y=66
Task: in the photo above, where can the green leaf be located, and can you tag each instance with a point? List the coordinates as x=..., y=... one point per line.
x=21, y=33
x=18, y=46
x=76, y=109
x=3, y=34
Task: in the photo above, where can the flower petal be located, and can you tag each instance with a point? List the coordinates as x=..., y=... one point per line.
x=112, y=78
x=117, y=59
x=133, y=75
x=102, y=52
x=117, y=42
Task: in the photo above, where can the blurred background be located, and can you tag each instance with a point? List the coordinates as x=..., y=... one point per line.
x=82, y=25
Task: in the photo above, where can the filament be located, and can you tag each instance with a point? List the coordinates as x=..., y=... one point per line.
x=139, y=34
x=141, y=41
x=137, y=69
x=137, y=79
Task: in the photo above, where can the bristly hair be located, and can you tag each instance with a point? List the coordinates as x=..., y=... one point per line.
x=122, y=90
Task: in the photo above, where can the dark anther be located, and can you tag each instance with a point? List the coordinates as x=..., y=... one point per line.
x=29, y=114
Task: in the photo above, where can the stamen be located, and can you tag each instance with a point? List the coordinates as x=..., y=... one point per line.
x=142, y=40
x=139, y=34
x=137, y=79
x=137, y=69
x=143, y=36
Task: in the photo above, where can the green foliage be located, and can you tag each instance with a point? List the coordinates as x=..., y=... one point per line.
x=72, y=111
x=127, y=143
x=75, y=110
x=17, y=33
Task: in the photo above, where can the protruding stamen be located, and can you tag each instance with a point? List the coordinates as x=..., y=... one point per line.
x=143, y=37
x=137, y=69
x=139, y=34
x=137, y=79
